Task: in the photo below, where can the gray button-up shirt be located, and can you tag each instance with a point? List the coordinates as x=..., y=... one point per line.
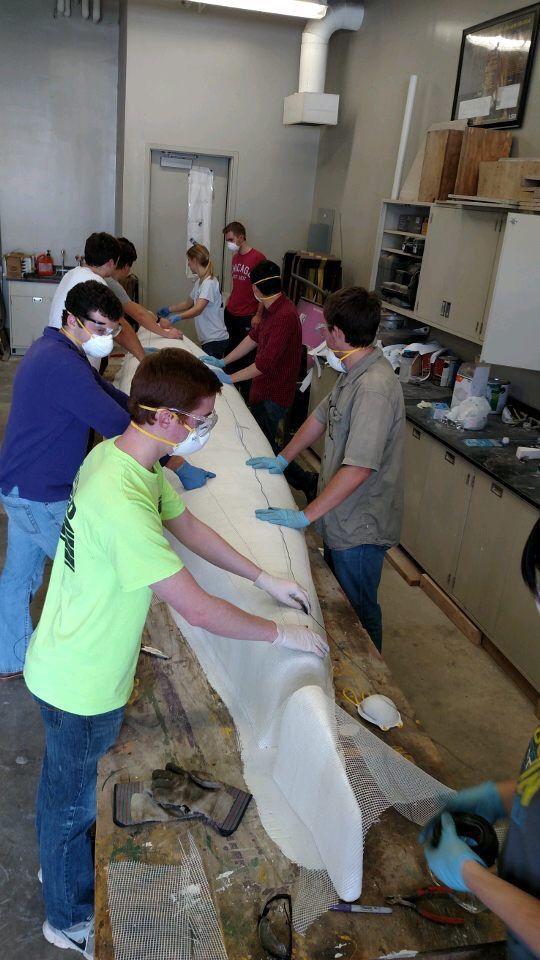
x=364, y=416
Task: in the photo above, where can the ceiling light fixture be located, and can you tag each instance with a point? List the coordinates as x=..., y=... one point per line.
x=308, y=9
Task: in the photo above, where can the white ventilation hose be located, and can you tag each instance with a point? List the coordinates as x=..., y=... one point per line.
x=315, y=39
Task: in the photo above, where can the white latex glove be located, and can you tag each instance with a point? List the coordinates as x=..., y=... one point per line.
x=300, y=638
x=286, y=591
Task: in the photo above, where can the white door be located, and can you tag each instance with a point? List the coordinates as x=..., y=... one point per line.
x=167, y=227
x=512, y=336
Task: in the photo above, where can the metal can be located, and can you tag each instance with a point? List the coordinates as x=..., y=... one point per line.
x=497, y=394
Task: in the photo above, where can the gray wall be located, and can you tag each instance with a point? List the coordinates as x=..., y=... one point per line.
x=215, y=82
x=58, y=78
x=371, y=69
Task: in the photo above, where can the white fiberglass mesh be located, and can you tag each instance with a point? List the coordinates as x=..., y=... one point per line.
x=163, y=911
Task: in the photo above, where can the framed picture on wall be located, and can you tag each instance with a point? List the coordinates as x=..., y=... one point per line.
x=494, y=69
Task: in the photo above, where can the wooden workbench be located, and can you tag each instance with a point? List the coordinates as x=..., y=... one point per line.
x=177, y=715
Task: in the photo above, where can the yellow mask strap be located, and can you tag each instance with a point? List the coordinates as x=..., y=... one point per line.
x=349, y=352
x=71, y=337
x=153, y=436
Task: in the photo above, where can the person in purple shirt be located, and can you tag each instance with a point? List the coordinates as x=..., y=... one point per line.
x=58, y=397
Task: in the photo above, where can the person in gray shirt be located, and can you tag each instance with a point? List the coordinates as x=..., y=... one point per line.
x=358, y=507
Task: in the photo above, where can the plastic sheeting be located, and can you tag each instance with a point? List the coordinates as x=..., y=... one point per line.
x=199, y=218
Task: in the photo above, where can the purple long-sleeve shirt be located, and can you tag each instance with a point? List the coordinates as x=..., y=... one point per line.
x=57, y=398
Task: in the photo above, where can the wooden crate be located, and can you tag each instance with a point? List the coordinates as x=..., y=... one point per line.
x=440, y=166
x=509, y=179
x=479, y=145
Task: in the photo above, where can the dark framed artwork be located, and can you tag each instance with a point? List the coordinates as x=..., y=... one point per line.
x=494, y=69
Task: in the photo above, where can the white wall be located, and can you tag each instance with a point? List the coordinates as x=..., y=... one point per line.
x=58, y=78
x=215, y=81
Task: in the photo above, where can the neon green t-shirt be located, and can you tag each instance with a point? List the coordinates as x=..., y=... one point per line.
x=83, y=655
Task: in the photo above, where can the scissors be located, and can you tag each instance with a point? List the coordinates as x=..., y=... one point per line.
x=414, y=902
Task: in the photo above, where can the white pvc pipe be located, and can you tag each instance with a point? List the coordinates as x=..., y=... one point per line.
x=96, y=11
x=60, y=7
x=315, y=38
x=85, y=9
x=405, y=127
x=67, y=8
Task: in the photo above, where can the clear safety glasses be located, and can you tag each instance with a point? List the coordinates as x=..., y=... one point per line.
x=100, y=329
x=204, y=424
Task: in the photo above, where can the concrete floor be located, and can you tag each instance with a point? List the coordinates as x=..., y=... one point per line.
x=479, y=719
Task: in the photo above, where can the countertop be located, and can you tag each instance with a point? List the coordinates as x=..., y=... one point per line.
x=33, y=278
x=500, y=463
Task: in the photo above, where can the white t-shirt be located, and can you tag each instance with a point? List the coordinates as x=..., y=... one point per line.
x=210, y=324
x=69, y=280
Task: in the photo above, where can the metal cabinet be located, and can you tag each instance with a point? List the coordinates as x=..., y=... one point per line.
x=418, y=448
x=460, y=254
x=517, y=626
x=29, y=308
x=443, y=513
x=483, y=558
x=513, y=322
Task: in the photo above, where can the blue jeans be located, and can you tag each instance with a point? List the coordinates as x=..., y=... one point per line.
x=66, y=809
x=358, y=571
x=268, y=415
x=33, y=532
x=216, y=348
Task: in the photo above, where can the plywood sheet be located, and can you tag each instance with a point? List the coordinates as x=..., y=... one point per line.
x=509, y=179
x=479, y=145
x=441, y=161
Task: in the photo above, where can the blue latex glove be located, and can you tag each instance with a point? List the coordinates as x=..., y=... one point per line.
x=484, y=800
x=446, y=861
x=193, y=477
x=286, y=518
x=163, y=312
x=174, y=317
x=221, y=375
x=272, y=464
x=212, y=361
x=150, y=349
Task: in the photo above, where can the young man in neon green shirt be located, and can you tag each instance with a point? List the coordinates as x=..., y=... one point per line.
x=112, y=554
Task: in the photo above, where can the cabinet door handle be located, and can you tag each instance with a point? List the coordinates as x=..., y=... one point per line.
x=448, y=308
x=496, y=489
x=416, y=433
x=449, y=457
x=37, y=299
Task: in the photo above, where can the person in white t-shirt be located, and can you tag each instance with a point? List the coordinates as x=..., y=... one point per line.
x=205, y=304
x=101, y=252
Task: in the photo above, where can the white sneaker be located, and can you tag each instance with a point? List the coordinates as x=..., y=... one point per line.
x=79, y=937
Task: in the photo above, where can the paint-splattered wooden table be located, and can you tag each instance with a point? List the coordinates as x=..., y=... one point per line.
x=178, y=716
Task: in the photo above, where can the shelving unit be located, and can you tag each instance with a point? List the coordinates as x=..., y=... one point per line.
x=386, y=244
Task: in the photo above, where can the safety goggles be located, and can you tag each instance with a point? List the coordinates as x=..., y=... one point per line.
x=100, y=329
x=204, y=424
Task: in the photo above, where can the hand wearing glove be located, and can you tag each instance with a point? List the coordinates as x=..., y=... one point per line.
x=220, y=374
x=484, y=799
x=212, y=361
x=150, y=349
x=285, y=518
x=446, y=860
x=272, y=464
x=300, y=638
x=286, y=591
x=163, y=312
x=193, y=477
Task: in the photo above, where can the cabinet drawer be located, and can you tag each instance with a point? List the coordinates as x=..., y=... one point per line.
x=29, y=315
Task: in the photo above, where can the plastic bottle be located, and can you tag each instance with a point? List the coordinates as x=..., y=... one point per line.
x=45, y=264
x=462, y=386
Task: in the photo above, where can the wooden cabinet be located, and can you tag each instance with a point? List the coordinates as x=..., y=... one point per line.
x=459, y=258
x=443, y=513
x=517, y=626
x=418, y=448
x=29, y=308
x=513, y=317
x=483, y=557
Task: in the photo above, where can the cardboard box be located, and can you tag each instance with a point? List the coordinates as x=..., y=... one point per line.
x=15, y=264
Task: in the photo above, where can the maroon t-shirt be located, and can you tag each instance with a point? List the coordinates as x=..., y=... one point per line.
x=279, y=352
x=241, y=302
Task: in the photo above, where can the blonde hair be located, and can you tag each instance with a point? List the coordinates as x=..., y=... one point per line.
x=201, y=255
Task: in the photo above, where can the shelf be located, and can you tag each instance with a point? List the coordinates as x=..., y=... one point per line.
x=409, y=203
x=403, y=233
x=402, y=312
x=402, y=253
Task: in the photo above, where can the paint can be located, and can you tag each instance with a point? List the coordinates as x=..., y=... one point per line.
x=497, y=394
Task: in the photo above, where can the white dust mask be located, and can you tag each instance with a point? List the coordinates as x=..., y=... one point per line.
x=98, y=346
x=191, y=444
x=233, y=247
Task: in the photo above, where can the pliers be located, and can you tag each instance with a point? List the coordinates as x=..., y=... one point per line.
x=414, y=902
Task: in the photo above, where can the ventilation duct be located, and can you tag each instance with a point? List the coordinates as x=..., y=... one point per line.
x=311, y=104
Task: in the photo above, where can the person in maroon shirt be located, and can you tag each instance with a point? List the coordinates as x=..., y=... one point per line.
x=278, y=342
x=241, y=310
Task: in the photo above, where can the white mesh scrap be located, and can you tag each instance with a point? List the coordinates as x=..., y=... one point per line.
x=380, y=778
x=163, y=912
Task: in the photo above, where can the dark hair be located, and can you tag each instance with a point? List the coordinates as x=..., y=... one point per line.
x=128, y=253
x=235, y=227
x=530, y=561
x=356, y=311
x=92, y=295
x=170, y=378
x=100, y=248
x=266, y=276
